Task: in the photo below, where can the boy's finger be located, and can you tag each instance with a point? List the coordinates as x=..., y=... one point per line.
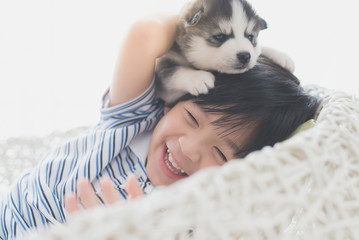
x=87, y=194
x=109, y=193
x=71, y=203
x=133, y=188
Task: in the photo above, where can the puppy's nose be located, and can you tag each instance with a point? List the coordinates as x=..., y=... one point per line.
x=244, y=57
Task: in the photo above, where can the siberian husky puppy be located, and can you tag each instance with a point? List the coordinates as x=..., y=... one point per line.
x=211, y=35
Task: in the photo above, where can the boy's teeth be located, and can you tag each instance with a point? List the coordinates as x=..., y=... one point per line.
x=177, y=168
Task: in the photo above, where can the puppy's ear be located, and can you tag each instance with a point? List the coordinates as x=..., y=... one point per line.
x=193, y=12
x=262, y=24
x=195, y=18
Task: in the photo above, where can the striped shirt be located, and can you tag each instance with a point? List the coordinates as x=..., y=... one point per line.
x=36, y=200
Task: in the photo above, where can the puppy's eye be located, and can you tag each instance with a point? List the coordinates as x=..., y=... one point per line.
x=250, y=37
x=220, y=37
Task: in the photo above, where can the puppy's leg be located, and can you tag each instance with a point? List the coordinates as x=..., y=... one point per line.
x=193, y=81
x=281, y=58
x=185, y=80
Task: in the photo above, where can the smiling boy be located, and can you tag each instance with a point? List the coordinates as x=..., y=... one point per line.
x=242, y=113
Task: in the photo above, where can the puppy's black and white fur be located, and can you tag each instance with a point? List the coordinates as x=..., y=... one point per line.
x=211, y=35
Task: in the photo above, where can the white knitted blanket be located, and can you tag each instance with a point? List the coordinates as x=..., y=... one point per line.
x=306, y=187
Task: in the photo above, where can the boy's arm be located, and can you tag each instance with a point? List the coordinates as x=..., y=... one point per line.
x=147, y=40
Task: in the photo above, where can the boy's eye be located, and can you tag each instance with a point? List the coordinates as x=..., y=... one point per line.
x=221, y=154
x=192, y=119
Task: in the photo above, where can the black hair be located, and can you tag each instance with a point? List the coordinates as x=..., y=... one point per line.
x=268, y=99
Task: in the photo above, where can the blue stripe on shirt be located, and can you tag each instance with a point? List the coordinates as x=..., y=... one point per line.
x=38, y=199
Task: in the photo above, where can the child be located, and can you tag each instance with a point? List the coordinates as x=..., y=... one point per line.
x=242, y=113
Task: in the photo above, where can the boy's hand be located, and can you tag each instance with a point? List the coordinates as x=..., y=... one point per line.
x=133, y=189
x=87, y=197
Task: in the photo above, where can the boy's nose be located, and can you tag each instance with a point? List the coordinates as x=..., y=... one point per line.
x=190, y=149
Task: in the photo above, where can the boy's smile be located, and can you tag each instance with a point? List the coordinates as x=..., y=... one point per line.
x=169, y=165
x=184, y=141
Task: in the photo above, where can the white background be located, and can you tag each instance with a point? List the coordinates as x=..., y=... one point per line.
x=57, y=56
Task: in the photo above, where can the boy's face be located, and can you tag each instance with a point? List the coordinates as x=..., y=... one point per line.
x=184, y=141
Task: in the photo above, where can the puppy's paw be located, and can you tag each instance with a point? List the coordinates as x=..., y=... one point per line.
x=280, y=58
x=285, y=61
x=199, y=82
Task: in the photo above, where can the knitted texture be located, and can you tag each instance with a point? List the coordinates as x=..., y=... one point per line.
x=306, y=187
